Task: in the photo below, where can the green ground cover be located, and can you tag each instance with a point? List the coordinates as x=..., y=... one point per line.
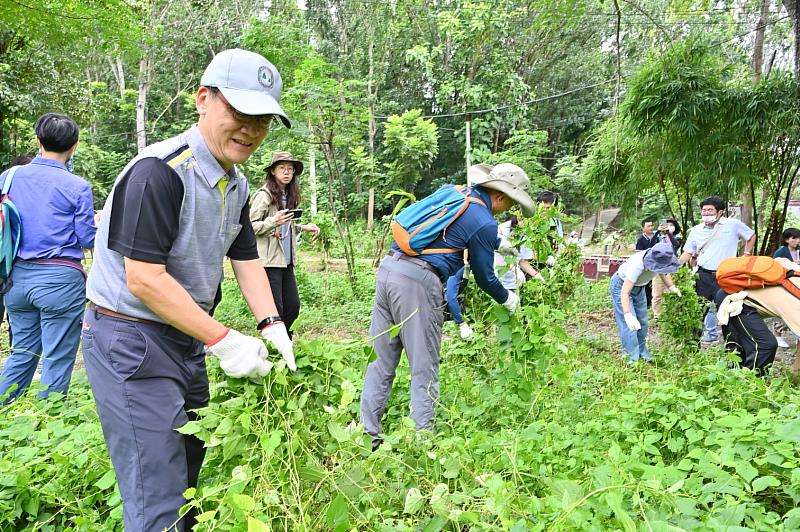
x=540, y=427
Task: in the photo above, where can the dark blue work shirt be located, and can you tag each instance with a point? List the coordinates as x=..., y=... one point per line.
x=475, y=230
x=451, y=293
x=56, y=210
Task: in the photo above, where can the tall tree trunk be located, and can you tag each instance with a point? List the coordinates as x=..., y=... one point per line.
x=371, y=132
x=747, y=199
x=793, y=10
x=468, y=144
x=119, y=73
x=312, y=174
x=141, y=103
x=758, y=46
x=121, y=79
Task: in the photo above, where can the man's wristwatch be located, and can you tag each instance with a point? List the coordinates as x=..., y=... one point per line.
x=269, y=320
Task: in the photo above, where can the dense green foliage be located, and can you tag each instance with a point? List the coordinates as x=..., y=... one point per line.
x=403, y=95
x=549, y=431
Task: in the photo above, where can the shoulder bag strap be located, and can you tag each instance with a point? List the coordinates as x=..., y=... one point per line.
x=7, y=182
x=710, y=239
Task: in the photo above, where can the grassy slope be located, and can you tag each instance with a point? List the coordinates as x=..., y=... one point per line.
x=585, y=444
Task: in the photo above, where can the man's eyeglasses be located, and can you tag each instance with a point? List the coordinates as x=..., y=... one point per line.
x=260, y=121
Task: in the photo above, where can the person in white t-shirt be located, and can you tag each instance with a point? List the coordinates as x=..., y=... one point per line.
x=512, y=272
x=629, y=300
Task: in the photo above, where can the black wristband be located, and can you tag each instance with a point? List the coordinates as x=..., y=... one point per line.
x=269, y=320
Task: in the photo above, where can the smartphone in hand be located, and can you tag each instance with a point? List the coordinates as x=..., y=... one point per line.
x=296, y=213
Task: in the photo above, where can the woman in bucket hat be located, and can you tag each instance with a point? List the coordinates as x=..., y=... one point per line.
x=629, y=299
x=276, y=231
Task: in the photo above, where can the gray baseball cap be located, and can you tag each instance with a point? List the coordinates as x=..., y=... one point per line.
x=250, y=83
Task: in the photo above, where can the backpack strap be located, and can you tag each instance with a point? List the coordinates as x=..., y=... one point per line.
x=468, y=198
x=790, y=286
x=7, y=182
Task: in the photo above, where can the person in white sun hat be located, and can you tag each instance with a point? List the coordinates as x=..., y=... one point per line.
x=175, y=212
x=409, y=291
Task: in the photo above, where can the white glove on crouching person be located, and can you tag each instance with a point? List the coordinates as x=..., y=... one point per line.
x=275, y=333
x=239, y=355
x=632, y=322
x=466, y=330
x=512, y=302
x=675, y=290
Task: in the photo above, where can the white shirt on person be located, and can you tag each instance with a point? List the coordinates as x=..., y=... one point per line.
x=724, y=246
x=509, y=278
x=633, y=270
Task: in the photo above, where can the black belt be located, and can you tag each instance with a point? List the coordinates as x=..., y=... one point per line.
x=419, y=262
x=707, y=270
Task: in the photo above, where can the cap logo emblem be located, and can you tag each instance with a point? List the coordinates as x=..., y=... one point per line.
x=265, y=77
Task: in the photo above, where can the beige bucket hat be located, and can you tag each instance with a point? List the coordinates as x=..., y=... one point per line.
x=507, y=178
x=285, y=157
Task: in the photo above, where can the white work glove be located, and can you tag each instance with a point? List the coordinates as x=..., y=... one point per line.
x=505, y=247
x=512, y=302
x=632, y=322
x=240, y=356
x=675, y=290
x=551, y=260
x=275, y=333
x=466, y=331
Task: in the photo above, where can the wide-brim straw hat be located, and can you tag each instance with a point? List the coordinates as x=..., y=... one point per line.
x=507, y=178
x=661, y=258
x=285, y=157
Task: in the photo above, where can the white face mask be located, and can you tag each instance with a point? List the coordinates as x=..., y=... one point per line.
x=709, y=218
x=671, y=228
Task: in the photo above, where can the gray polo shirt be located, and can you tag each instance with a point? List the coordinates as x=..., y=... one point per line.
x=173, y=204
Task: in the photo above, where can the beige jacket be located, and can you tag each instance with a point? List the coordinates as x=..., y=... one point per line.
x=777, y=301
x=262, y=215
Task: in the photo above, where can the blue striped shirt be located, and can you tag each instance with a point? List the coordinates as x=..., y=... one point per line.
x=56, y=209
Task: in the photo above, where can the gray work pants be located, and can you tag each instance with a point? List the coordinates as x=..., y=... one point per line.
x=144, y=378
x=404, y=289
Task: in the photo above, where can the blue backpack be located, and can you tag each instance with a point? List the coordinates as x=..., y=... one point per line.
x=10, y=231
x=422, y=222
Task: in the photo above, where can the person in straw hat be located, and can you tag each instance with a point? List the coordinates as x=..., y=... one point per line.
x=409, y=293
x=276, y=231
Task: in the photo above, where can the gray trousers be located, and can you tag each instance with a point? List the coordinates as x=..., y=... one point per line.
x=144, y=378
x=404, y=289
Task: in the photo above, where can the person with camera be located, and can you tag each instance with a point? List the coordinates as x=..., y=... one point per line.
x=668, y=231
x=273, y=216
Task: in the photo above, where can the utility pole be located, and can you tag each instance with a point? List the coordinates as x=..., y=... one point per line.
x=468, y=149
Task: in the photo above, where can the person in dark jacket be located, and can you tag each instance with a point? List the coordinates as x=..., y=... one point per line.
x=408, y=294
x=789, y=249
x=646, y=240
x=668, y=232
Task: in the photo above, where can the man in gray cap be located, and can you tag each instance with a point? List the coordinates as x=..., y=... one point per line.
x=175, y=212
x=409, y=291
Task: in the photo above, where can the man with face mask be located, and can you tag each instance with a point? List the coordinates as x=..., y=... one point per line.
x=709, y=243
